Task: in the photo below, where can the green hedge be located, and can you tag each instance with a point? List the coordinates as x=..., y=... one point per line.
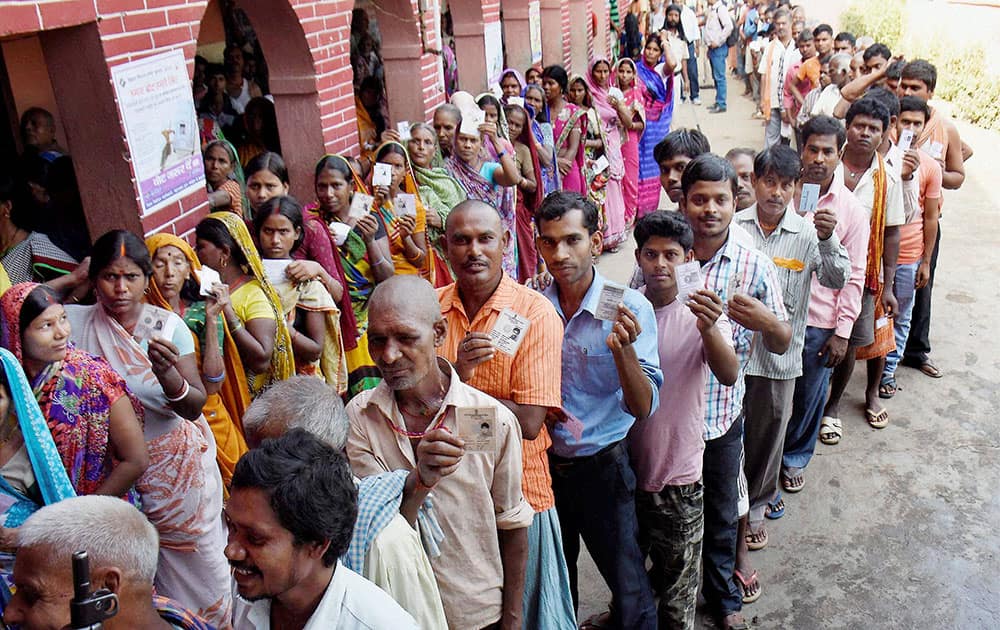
x=963, y=77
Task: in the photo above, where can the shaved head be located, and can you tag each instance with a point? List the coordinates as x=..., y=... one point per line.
x=406, y=294
x=470, y=206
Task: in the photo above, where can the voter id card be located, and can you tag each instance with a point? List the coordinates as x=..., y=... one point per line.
x=509, y=331
x=607, y=303
x=688, y=277
x=809, y=200
x=477, y=427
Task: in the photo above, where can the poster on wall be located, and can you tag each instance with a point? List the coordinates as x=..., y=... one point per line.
x=535, y=30
x=494, y=51
x=161, y=128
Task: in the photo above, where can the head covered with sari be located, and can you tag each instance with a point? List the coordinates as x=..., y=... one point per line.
x=74, y=394
x=234, y=391
x=411, y=187
x=608, y=115
x=282, y=360
x=354, y=251
x=512, y=72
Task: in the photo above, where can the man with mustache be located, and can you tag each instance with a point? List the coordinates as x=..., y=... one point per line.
x=610, y=379
x=415, y=420
x=878, y=187
x=832, y=312
x=290, y=516
x=742, y=160
x=802, y=248
x=526, y=380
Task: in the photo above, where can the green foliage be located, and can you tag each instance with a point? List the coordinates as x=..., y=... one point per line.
x=882, y=19
x=964, y=79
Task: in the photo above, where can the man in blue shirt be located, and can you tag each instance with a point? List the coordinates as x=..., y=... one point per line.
x=610, y=376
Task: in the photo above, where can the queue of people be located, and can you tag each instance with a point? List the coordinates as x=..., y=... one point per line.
x=404, y=403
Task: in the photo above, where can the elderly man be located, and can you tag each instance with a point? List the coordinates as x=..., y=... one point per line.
x=610, y=378
x=506, y=340
x=38, y=134
x=384, y=548
x=424, y=419
x=290, y=517
x=122, y=546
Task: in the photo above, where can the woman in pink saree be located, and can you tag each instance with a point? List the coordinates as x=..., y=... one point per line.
x=613, y=114
x=631, y=88
x=568, y=122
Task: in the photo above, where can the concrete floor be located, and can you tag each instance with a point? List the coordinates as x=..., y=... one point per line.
x=895, y=528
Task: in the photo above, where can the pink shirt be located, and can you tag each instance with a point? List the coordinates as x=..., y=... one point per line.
x=838, y=308
x=666, y=448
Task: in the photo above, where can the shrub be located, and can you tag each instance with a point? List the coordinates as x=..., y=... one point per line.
x=964, y=79
x=882, y=19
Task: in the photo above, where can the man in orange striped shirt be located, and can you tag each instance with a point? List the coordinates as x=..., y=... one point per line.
x=523, y=371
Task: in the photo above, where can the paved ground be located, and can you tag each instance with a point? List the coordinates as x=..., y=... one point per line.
x=895, y=528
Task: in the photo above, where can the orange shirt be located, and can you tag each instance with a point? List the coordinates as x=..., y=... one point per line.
x=926, y=184
x=536, y=379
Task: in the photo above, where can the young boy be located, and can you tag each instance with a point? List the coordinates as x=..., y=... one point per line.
x=800, y=247
x=673, y=153
x=666, y=449
x=747, y=281
x=800, y=79
x=921, y=176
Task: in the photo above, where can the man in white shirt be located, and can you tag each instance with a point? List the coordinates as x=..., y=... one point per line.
x=290, y=516
x=718, y=26
x=779, y=56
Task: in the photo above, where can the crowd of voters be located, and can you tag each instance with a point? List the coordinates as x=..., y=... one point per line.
x=404, y=402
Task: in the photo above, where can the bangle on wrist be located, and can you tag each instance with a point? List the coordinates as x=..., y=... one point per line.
x=216, y=379
x=181, y=395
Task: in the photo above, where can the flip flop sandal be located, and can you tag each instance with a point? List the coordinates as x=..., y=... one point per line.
x=746, y=584
x=756, y=540
x=830, y=430
x=793, y=484
x=775, y=510
x=887, y=388
x=930, y=369
x=877, y=420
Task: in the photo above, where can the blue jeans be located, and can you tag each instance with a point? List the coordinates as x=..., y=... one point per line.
x=717, y=59
x=595, y=498
x=904, y=289
x=720, y=473
x=692, y=64
x=808, y=401
x=918, y=343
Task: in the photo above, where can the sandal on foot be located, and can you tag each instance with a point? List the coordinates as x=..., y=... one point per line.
x=775, y=509
x=877, y=419
x=887, y=388
x=756, y=540
x=793, y=484
x=830, y=430
x=930, y=369
x=750, y=587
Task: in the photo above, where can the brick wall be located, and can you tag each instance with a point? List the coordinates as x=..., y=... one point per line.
x=133, y=29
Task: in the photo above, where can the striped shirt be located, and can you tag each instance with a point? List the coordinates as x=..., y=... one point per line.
x=736, y=268
x=797, y=253
x=536, y=379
